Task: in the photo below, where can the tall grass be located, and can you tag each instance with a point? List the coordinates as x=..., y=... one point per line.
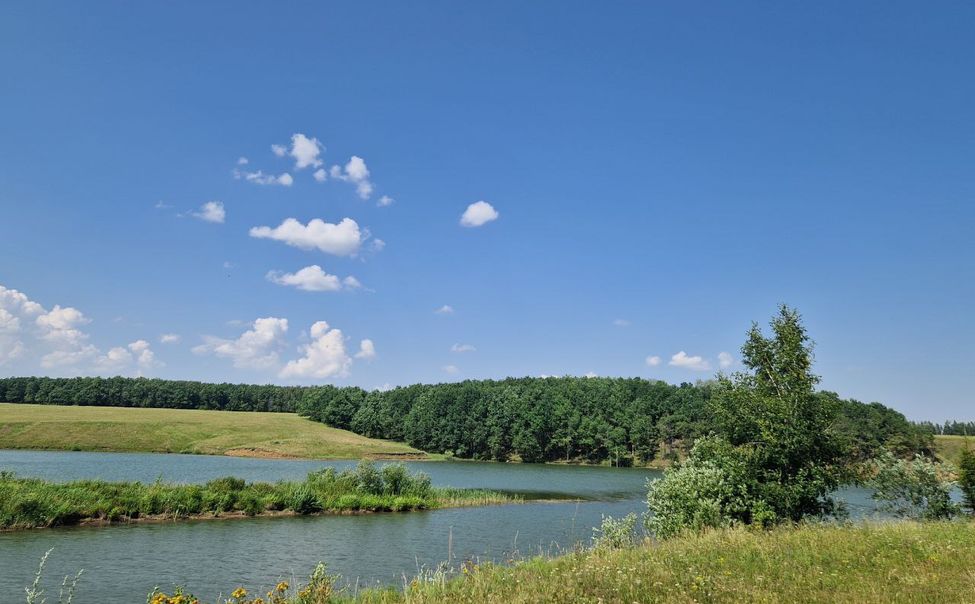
x=30, y=503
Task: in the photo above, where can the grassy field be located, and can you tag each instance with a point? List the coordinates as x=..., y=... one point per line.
x=250, y=434
x=949, y=448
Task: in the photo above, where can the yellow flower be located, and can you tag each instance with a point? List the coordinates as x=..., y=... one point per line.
x=282, y=586
x=238, y=593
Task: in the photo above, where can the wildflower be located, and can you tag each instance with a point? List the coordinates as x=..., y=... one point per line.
x=282, y=586
x=238, y=593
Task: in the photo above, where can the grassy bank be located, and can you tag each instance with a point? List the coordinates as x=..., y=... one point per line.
x=31, y=503
x=949, y=448
x=868, y=563
x=244, y=433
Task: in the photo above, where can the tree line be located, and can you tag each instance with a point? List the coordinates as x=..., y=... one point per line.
x=949, y=428
x=620, y=421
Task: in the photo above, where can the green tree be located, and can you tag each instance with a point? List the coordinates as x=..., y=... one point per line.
x=966, y=477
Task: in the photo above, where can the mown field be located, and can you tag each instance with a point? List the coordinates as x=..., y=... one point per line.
x=949, y=448
x=243, y=433
x=892, y=562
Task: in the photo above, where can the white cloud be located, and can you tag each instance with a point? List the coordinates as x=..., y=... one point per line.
x=114, y=360
x=591, y=374
x=10, y=350
x=356, y=172
x=725, y=360
x=60, y=326
x=367, y=350
x=144, y=357
x=378, y=245
x=324, y=356
x=462, y=348
x=446, y=309
x=161, y=205
x=212, y=211
x=478, y=213
x=451, y=369
x=653, y=361
x=279, y=150
x=695, y=363
x=385, y=201
x=256, y=348
x=242, y=161
x=320, y=175
x=313, y=279
x=342, y=239
x=8, y=322
x=305, y=151
x=621, y=323
x=170, y=338
x=260, y=178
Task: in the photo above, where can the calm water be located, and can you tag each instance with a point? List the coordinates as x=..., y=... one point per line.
x=212, y=557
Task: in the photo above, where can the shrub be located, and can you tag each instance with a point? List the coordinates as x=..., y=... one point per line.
x=302, y=501
x=912, y=489
x=615, y=533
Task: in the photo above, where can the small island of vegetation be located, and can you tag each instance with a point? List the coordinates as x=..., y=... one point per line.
x=32, y=503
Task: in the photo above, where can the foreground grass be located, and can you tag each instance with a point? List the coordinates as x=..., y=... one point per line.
x=949, y=448
x=244, y=433
x=867, y=563
x=31, y=503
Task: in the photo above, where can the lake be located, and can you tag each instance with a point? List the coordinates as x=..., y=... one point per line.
x=211, y=558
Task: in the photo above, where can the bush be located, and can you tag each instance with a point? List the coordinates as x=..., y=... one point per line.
x=912, y=489
x=615, y=533
x=707, y=491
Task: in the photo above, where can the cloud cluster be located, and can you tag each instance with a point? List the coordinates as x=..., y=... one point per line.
x=32, y=336
x=462, y=348
x=355, y=172
x=260, y=178
x=259, y=348
x=256, y=348
x=313, y=279
x=342, y=239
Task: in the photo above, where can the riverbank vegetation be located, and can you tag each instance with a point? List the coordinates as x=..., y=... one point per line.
x=252, y=434
x=31, y=503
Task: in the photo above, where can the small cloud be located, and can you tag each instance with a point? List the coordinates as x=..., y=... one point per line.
x=621, y=323
x=446, y=309
x=320, y=175
x=279, y=150
x=355, y=172
x=312, y=279
x=170, y=338
x=385, y=201
x=211, y=211
x=477, y=214
x=451, y=369
x=260, y=178
x=462, y=348
x=161, y=205
x=227, y=264
x=378, y=245
x=367, y=350
x=305, y=151
x=591, y=374
x=653, y=361
x=242, y=161
x=725, y=360
x=324, y=356
x=342, y=239
x=695, y=363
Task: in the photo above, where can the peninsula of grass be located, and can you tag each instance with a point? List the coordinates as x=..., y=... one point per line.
x=32, y=503
x=241, y=433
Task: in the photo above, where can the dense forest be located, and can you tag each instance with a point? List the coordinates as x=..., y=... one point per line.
x=616, y=420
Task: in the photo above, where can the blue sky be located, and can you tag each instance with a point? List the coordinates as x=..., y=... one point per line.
x=663, y=174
